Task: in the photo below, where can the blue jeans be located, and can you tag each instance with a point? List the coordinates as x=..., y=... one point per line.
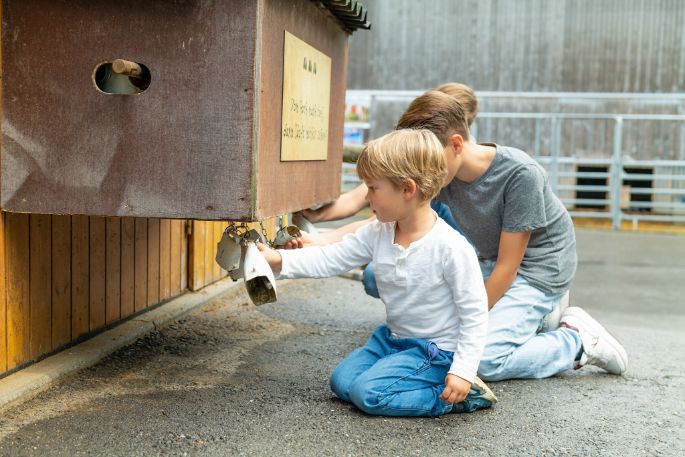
x=369, y=279
x=391, y=376
x=514, y=349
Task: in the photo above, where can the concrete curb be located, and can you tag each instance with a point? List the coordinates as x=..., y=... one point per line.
x=29, y=382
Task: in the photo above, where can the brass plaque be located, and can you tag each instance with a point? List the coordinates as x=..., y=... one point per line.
x=306, y=99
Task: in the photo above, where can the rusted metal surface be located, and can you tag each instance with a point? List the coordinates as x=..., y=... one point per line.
x=183, y=148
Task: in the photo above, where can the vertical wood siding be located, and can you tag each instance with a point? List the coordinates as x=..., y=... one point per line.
x=62, y=277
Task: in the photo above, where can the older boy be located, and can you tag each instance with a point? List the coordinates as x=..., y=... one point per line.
x=502, y=200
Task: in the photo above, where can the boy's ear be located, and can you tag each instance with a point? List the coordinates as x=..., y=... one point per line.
x=410, y=189
x=457, y=142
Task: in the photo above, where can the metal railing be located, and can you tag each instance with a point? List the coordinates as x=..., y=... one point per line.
x=609, y=185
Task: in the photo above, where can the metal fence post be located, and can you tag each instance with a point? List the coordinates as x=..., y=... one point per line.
x=556, y=152
x=616, y=174
x=372, y=118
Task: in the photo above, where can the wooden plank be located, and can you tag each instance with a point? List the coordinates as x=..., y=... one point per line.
x=185, y=255
x=113, y=270
x=17, y=273
x=80, y=287
x=3, y=296
x=40, y=282
x=197, y=255
x=61, y=280
x=164, y=259
x=97, y=272
x=128, y=265
x=218, y=231
x=282, y=186
x=152, y=261
x=3, y=270
x=140, y=301
x=209, y=252
x=175, y=256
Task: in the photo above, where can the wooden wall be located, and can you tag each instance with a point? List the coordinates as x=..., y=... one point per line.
x=67, y=277
x=63, y=277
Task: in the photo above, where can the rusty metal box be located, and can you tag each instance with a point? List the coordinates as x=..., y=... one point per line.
x=203, y=138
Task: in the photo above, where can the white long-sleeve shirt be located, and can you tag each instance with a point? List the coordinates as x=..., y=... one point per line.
x=432, y=290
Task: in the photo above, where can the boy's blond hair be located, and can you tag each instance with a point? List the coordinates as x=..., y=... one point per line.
x=438, y=112
x=406, y=154
x=464, y=95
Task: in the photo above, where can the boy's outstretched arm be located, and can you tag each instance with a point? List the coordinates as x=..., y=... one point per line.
x=322, y=239
x=272, y=256
x=512, y=247
x=348, y=204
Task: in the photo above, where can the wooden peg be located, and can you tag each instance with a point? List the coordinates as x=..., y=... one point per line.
x=126, y=67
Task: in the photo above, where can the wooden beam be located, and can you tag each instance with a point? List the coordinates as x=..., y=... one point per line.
x=61, y=280
x=113, y=270
x=40, y=282
x=18, y=273
x=97, y=269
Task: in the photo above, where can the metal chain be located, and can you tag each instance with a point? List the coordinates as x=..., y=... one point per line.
x=264, y=237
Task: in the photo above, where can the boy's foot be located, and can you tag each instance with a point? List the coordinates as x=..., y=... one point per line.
x=480, y=397
x=600, y=348
x=552, y=320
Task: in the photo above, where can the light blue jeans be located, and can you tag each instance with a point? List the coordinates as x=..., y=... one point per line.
x=514, y=349
x=391, y=376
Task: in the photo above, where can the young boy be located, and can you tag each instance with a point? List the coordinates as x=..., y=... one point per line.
x=423, y=361
x=524, y=237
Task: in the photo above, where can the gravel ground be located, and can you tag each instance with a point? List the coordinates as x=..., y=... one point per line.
x=233, y=379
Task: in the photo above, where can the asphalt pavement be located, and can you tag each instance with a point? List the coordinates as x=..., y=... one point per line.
x=234, y=379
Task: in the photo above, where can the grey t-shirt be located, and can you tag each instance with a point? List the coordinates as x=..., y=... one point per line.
x=514, y=195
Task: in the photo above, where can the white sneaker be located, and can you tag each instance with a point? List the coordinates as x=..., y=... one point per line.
x=551, y=321
x=600, y=348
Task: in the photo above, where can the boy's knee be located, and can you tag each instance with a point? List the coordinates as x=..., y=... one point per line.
x=491, y=369
x=340, y=384
x=363, y=397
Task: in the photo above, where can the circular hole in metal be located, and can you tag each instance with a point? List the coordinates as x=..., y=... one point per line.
x=122, y=77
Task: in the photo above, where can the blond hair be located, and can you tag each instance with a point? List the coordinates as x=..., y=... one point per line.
x=438, y=112
x=464, y=95
x=406, y=154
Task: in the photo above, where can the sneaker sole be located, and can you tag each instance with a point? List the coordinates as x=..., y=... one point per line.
x=576, y=313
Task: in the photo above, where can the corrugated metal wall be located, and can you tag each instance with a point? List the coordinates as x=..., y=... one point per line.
x=633, y=46
x=522, y=45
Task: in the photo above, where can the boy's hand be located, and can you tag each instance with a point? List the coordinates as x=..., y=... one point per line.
x=456, y=389
x=272, y=257
x=300, y=241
